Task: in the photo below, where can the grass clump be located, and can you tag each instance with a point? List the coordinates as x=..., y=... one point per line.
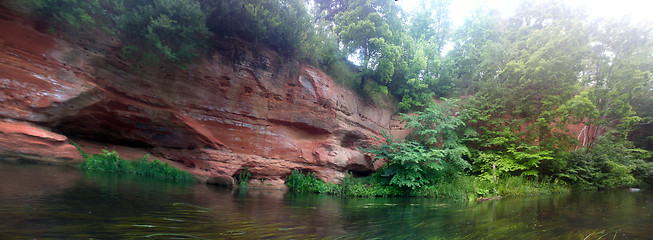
x=520, y=186
x=111, y=162
x=299, y=182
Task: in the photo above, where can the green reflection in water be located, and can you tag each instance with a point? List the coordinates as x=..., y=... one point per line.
x=63, y=203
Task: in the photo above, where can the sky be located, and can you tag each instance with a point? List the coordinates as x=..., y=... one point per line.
x=639, y=10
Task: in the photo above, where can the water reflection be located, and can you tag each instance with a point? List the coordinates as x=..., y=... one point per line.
x=59, y=202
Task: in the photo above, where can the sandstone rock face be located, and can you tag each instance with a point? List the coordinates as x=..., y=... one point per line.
x=244, y=107
x=21, y=141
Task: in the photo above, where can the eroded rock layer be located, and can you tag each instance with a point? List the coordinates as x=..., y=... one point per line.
x=242, y=107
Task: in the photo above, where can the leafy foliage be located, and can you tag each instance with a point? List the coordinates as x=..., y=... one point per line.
x=459, y=188
x=535, y=75
x=410, y=164
x=498, y=148
x=611, y=163
x=280, y=24
x=437, y=125
x=299, y=182
x=175, y=30
x=432, y=152
x=76, y=13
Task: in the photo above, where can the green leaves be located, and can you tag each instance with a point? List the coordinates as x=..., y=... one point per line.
x=300, y=182
x=110, y=162
x=514, y=160
x=432, y=152
x=437, y=124
x=412, y=165
x=175, y=30
x=280, y=24
x=590, y=170
x=371, y=29
x=76, y=13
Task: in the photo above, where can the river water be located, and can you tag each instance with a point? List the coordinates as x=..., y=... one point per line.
x=52, y=202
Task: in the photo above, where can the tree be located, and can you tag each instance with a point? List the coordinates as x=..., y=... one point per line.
x=427, y=73
x=479, y=52
x=431, y=22
x=282, y=25
x=326, y=10
x=372, y=30
x=620, y=71
x=548, y=46
x=533, y=63
x=175, y=30
x=498, y=145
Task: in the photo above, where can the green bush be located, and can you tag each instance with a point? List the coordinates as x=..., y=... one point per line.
x=173, y=29
x=610, y=163
x=521, y=186
x=459, y=188
x=281, y=25
x=370, y=186
x=110, y=162
x=462, y=188
x=350, y=186
x=585, y=170
x=76, y=13
x=472, y=188
x=298, y=182
x=432, y=152
x=410, y=165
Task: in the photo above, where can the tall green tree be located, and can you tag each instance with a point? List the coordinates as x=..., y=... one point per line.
x=548, y=49
x=543, y=51
x=431, y=22
x=427, y=73
x=619, y=73
x=479, y=52
x=372, y=29
x=522, y=70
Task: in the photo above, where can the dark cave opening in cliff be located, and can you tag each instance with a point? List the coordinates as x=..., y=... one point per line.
x=76, y=130
x=357, y=170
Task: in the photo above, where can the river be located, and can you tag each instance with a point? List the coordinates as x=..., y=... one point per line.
x=58, y=202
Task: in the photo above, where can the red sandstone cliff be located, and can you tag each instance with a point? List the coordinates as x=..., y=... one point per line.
x=242, y=107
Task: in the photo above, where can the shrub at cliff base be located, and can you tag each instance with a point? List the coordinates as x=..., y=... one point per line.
x=610, y=164
x=110, y=162
x=459, y=188
x=299, y=182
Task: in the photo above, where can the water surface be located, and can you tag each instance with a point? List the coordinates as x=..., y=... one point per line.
x=51, y=202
